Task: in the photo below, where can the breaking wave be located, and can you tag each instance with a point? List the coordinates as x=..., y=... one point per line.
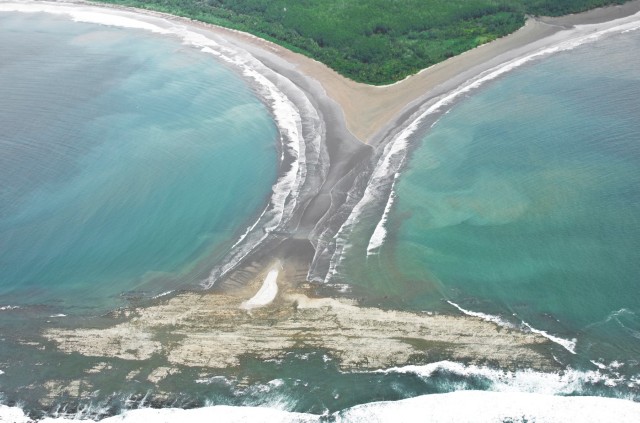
x=569, y=345
x=460, y=407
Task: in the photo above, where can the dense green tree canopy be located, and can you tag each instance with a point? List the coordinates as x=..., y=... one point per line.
x=373, y=41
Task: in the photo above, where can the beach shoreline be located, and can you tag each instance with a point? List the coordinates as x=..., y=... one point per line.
x=372, y=111
x=342, y=114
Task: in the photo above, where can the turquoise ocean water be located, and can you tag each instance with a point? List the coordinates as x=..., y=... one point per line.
x=127, y=161
x=131, y=162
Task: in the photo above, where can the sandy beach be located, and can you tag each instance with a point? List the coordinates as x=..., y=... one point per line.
x=370, y=110
x=343, y=127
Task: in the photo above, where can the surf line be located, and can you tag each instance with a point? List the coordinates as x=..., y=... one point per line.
x=569, y=345
x=267, y=292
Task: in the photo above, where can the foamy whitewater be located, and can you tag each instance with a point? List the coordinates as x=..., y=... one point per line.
x=479, y=407
x=569, y=345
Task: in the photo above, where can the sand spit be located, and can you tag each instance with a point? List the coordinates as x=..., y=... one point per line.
x=211, y=331
x=371, y=112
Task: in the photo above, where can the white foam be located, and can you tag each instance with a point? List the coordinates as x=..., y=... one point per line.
x=267, y=292
x=569, y=345
x=380, y=232
x=218, y=414
x=250, y=228
x=79, y=15
x=9, y=307
x=485, y=407
x=391, y=159
x=599, y=365
x=163, y=294
x=566, y=382
x=212, y=379
x=458, y=407
x=288, y=117
x=488, y=317
x=58, y=315
x=13, y=415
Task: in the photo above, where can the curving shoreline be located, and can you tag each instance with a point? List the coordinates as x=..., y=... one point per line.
x=343, y=143
x=372, y=111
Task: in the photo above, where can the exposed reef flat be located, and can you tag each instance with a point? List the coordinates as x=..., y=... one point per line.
x=211, y=330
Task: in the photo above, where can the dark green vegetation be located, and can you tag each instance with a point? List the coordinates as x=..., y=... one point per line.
x=372, y=41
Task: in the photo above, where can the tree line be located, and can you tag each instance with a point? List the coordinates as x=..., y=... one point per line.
x=372, y=41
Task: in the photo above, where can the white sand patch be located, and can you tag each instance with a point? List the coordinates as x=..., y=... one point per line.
x=268, y=290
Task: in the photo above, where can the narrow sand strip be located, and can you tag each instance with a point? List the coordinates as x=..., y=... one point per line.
x=267, y=292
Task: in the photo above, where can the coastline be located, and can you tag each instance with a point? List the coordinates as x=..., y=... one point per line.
x=346, y=113
x=371, y=111
x=336, y=133
x=342, y=105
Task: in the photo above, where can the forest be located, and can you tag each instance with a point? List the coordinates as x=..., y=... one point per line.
x=372, y=41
